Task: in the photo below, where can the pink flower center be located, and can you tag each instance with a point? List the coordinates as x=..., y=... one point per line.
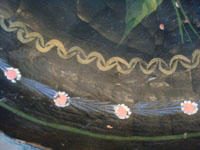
x=122, y=112
x=61, y=99
x=189, y=107
x=11, y=74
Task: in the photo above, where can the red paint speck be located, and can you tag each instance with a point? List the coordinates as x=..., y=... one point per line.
x=109, y=127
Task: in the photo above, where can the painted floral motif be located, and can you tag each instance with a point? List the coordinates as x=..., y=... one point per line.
x=61, y=99
x=189, y=107
x=12, y=74
x=122, y=111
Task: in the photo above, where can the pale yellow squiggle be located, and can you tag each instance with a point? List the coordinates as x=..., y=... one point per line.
x=25, y=36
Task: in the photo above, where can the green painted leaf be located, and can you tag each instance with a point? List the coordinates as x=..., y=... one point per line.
x=136, y=10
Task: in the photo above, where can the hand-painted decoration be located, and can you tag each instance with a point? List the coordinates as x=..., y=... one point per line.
x=11, y=73
x=189, y=107
x=4, y=65
x=162, y=27
x=109, y=126
x=25, y=36
x=92, y=105
x=156, y=108
x=97, y=135
x=38, y=88
x=61, y=99
x=122, y=111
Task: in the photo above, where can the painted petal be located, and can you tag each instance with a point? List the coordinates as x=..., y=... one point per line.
x=11, y=74
x=61, y=99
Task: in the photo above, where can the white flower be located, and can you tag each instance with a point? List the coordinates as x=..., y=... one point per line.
x=189, y=107
x=122, y=111
x=61, y=99
x=12, y=74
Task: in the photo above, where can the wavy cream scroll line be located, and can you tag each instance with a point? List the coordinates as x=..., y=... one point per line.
x=121, y=64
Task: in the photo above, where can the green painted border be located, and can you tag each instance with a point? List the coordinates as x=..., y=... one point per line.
x=96, y=135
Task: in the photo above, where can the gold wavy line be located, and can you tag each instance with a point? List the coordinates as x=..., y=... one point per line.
x=121, y=64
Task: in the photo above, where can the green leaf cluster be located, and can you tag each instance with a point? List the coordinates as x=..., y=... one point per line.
x=136, y=11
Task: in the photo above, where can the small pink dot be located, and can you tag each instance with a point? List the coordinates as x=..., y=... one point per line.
x=162, y=27
x=189, y=108
x=61, y=99
x=11, y=74
x=109, y=126
x=122, y=112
